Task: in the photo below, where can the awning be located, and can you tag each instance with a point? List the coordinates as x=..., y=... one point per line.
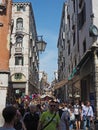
x=60, y=84
x=83, y=59
x=72, y=74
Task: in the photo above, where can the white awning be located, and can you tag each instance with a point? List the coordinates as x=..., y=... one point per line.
x=60, y=84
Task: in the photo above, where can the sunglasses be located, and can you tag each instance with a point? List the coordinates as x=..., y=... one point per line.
x=52, y=105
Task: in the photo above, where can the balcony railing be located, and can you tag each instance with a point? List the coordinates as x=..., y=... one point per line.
x=19, y=30
x=18, y=50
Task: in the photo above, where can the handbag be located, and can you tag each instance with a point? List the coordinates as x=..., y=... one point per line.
x=85, y=116
x=48, y=122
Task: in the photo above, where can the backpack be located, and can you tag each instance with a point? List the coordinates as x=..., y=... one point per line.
x=76, y=109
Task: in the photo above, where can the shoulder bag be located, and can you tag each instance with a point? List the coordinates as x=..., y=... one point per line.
x=48, y=122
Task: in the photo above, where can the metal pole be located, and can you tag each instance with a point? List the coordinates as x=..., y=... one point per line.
x=95, y=73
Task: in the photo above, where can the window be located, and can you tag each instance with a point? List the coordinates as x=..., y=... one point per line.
x=82, y=17
x=74, y=5
x=19, y=23
x=84, y=46
x=69, y=68
x=19, y=40
x=80, y=3
x=18, y=76
x=73, y=37
x=18, y=60
x=68, y=17
x=75, y=62
x=20, y=8
x=68, y=48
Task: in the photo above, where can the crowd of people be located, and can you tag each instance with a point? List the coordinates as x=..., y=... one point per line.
x=51, y=115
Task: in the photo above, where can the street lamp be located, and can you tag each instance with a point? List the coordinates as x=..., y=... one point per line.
x=41, y=44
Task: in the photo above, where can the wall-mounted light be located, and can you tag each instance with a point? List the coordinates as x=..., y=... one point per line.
x=93, y=30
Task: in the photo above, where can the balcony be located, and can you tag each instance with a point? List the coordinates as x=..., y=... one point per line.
x=18, y=50
x=19, y=30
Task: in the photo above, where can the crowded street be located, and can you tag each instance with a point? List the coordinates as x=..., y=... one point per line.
x=49, y=65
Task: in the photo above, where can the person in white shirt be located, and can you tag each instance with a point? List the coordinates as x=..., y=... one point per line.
x=77, y=113
x=87, y=115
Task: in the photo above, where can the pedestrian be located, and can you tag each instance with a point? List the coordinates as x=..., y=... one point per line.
x=9, y=114
x=49, y=119
x=31, y=118
x=72, y=124
x=77, y=112
x=64, y=121
x=19, y=124
x=87, y=115
x=38, y=109
x=58, y=109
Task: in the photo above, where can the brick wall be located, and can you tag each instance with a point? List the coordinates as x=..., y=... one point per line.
x=5, y=19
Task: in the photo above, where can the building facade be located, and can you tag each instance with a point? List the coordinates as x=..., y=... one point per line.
x=5, y=31
x=24, y=56
x=44, y=84
x=77, y=54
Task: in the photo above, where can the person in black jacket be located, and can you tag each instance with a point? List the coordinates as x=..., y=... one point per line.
x=31, y=118
x=57, y=109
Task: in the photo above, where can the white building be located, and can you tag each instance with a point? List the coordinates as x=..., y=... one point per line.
x=24, y=56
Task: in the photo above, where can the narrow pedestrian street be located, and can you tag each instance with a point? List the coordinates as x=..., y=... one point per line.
x=49, y=65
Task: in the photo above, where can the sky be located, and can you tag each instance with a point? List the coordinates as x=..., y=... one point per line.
x=47, y=15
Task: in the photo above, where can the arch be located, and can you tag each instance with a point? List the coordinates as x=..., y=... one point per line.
x=19, y=23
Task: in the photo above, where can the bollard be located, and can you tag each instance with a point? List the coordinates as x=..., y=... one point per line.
x=96, y=124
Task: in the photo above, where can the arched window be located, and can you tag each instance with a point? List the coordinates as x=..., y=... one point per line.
x=19, y=41
x=19, y=23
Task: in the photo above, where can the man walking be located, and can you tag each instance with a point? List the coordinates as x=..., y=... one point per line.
x=87, y=115
x=31, y=118
x=49, y=119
